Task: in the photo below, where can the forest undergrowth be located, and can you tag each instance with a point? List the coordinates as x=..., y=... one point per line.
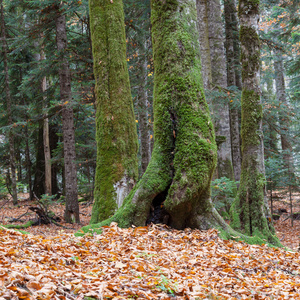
x=152, y=262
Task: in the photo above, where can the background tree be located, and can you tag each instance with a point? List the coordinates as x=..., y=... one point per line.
x=140, y=63
x=117, y=168
x=72, y=207
x=250, y=210
x=214, y=69
x=233, y=81
x=9, y=110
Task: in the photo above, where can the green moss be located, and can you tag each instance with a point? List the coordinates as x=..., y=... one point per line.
x=247, y=7
x=115, y=123
x=13, y=226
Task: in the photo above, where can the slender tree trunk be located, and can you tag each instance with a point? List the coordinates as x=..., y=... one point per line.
x=184, y=156
x=47, y=153
x=219, y=79
x=39, y=169
x=9, y=110
x=28, y=162
x=55, y=165
x=283, y=114
x=214, y=74
x=142, y=109
x=202, y=22
x=116, y=136
x=233, y=79
x=72, y=206
x=143, y=116
x=250, y=212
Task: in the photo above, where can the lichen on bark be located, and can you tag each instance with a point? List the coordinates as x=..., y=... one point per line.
x=116, y=171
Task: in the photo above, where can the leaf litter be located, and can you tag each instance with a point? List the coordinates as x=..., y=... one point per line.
x=153, y=262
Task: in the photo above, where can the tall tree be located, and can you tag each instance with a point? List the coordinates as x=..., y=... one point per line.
x=250, y=212
x=284, y=121
x=211, y=35
x=139, y=49
x=12, y=157
x=233, y=80
x=72, y=206
x=117, y=168
x=184, y=155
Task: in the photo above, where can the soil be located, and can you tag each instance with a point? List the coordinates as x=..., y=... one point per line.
x=287, y=231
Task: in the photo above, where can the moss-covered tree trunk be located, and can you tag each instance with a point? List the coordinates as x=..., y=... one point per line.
x=116, y=171
x=175, y=189
x=250, y=212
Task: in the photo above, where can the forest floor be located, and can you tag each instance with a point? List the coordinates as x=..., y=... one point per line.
x=152, y=262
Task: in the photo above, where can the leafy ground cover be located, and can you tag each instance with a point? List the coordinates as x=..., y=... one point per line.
x=152, y=262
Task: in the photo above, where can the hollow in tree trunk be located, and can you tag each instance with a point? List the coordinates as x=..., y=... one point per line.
x=176, y=185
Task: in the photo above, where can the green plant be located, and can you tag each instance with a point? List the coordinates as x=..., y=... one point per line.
x=223, y=191
x=166, y=285
x=46, y=201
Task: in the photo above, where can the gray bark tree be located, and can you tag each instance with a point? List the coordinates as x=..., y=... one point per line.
x=72, y=206
x=283, y=114
x=214, y=67
x=233, y=79
x=250, y=212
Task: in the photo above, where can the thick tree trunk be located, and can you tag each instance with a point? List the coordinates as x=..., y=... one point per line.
x=175, y=189
x=233, y=79
x=250, y=212
x=116, y=136
x=72, y=207
x=283, y=115
x=9, y=111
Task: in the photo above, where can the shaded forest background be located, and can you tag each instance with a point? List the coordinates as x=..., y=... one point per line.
x=31, y=113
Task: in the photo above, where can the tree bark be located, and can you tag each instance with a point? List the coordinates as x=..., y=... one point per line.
x=283, y=115
x=219, y=79
x=12, y=157
x=116, y=136
x=233, y=79
x=72, y=206
x=202, y=22
x=250, y=212
x=143, y=116
x=39, y=168
x=214, y=74
x=28, y=162
x=184, y=156
x=47, y=153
